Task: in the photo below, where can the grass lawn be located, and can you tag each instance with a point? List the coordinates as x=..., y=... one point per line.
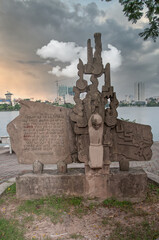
x=59, y=217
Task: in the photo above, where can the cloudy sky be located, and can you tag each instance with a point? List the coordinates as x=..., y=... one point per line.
x=41, y=40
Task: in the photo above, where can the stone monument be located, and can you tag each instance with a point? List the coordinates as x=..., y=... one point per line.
x=90, y=133
x=42, y=132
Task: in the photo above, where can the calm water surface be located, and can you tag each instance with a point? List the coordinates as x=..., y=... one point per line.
x=144, y=115
x=5, y=118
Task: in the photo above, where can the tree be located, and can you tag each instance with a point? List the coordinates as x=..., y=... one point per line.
x=134, y=10
x=17, y=107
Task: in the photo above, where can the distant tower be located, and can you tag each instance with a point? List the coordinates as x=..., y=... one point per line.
x=8, y=97
x=139, y=90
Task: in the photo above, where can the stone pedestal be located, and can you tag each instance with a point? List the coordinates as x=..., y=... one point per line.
x=122, y=185
x=35, y=186
x=96, y=186
x=127, y=185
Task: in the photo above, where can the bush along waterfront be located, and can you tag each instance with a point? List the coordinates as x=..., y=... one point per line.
x=6, y=107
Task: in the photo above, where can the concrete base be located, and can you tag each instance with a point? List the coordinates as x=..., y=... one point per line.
x=128, y=185
x=34, y=186
x=122, y=185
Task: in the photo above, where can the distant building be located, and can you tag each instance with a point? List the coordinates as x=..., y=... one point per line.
x=8, y=96
x=3, y=101
x=66, y=92
x=6, y=100
x=69, y=99
x=62, y=91
x=128, y=98
x=59, y=100
x=139, y=90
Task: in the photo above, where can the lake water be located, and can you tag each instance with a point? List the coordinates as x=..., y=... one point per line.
x=5, y=118
x=144, y=115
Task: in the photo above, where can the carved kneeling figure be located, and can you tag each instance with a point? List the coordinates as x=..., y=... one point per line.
x=95, y=125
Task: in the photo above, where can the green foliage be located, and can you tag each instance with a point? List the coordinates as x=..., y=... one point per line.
x=17, y=107
x=76, y=236
x=125, y=206
x=68, y=105
x=6, y=107
x=139, y=231
x=9, y=230
x=111, y=202
x=138, y=104
x=53, y=206
x=93, y=206
x=153, y=103
x=27, y=219
x=11, y=189
x=153, y=192
x=135, y=10
x=1, y=201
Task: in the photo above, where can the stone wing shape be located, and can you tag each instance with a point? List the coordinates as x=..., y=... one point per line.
x=132, y=141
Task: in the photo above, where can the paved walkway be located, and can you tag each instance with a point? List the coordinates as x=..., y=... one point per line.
x=10, y=168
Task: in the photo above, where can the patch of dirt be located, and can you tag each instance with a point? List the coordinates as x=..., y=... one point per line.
x=95, y=222
x=98, y=223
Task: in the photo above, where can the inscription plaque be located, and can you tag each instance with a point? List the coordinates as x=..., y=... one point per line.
x=44, y=135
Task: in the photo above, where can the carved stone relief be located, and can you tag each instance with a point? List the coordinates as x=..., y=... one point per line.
x=120, y=140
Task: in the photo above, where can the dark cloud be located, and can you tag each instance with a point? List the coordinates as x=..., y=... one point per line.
x=31, y=62
x=28, y=25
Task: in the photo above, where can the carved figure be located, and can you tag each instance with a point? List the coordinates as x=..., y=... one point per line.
x=130, y=140
x=95, y=127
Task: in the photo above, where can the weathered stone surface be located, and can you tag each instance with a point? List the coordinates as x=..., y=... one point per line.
x=127, y=186
x=42, y=132
x=34, y=186
x=95, y=127
x=38, y=167
x=95, y=156
x=62, y=167
x=131, y=140
x=96, y=186
x=123, y=164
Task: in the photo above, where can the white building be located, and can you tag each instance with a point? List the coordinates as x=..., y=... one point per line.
x=69, y=99
x=6, y=100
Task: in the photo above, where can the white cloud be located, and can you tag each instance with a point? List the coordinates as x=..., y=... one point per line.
x=113, y=56
x=21, y=0
x=100, y=20
x=60, y=51
x=68, y=71
x=70, y=52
